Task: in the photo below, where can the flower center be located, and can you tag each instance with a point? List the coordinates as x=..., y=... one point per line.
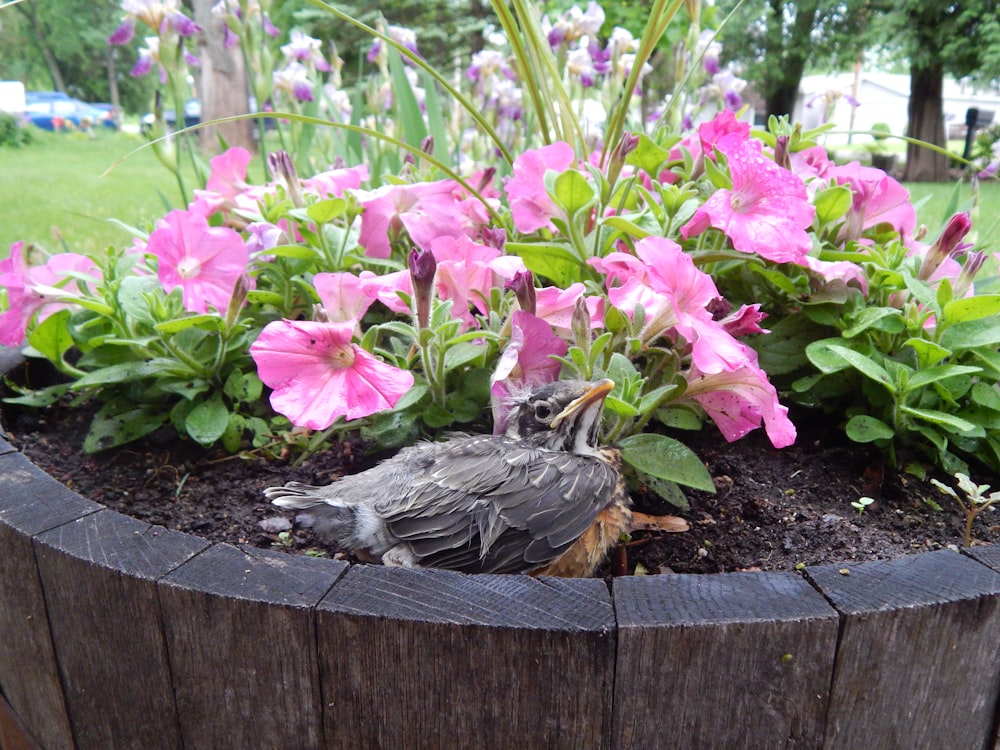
x=188, y=268
x=342, y=356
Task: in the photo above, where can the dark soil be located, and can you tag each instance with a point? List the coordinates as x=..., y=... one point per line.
x=774, y=509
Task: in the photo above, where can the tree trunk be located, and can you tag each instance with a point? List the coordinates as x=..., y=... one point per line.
x=223, y=87
x=926, y=118
x=781, y=86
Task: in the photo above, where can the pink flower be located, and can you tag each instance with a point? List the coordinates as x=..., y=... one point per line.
x=555, y=306
x=37, y=289
x=528, y=360
x=317, y=375
x=385, y=289
x=229, y=172
x=335, y=181
x=530, y=205
x=425, y=210
x=739, y=400
x=767, y=210
x=341, y=295
x=205, y=262
x=878, y=199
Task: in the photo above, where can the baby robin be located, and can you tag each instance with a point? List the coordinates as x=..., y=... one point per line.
x=542, y=498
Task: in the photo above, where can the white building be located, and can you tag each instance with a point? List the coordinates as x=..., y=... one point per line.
x=881, y=97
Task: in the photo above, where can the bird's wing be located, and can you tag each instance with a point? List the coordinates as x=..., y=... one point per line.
x=490, y=504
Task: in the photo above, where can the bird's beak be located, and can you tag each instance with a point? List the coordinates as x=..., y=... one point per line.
x=595, y=394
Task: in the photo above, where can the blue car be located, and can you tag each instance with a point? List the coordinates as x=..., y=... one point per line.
x=54, y=110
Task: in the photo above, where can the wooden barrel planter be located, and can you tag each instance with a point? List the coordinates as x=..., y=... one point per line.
x=118, y=634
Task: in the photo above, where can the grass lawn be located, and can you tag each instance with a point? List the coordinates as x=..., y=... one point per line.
x=55, y=184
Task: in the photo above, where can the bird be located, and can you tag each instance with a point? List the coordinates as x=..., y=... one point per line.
x=542, y=498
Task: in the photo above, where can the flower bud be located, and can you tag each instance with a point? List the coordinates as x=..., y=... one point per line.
x=580, y=324
x=280, y=164
x=781, y=157
x=523, y=285
x=422, y=266
x=973, y=262
x=945, y=245
x=626, y=146
x=495, y=237
x=427, y=145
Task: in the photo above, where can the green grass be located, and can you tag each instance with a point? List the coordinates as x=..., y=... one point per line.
x=54, y=187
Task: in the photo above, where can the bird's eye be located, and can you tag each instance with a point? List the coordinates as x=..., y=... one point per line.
x=543, y=412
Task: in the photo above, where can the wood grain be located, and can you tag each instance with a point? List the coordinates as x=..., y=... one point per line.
x=99, y=575
x=917, y=664
x=431, y=659
x=739, y=660
x=31, y=502
x=241, y=634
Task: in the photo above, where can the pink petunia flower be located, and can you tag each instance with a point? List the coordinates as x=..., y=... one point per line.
x=528, y=361
x=335, y=181
x=426, y=210
x=530, y=205
x=767, y=210
x=878, y=199
x=738, y=401
x=341, y=295
x=318, y=375
x=204, y=261
x=37, y=289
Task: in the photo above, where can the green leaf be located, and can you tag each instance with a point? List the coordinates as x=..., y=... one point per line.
x=131, y=371
x=972, y=308
x=554, y=262
x=327, y=210
x=627, y=227
x=865, y=365
x=207, y=421
x=111, y=427
x=940, y=372
x=463, y=354
x=51, y=337
x=783, y=350
x=132, y=297
x=408, y=114
x=243, y=387
x=887, y=319
x=620, y=408
x=942, y=418
x=928, y=353
x=233, y=435
x=573, y=192
x=666, y=458
x=986, y=395
x=865, y=429
x=206, y=321
x=648, y=156
x=832, y=203
x=970, y=334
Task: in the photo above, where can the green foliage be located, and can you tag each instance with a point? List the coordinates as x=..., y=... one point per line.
x=12, y=135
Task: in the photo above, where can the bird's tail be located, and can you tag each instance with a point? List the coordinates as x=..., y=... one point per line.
x=294, y=496
x=330, y=517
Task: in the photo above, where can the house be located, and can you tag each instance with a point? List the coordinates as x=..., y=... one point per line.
x=880, y=97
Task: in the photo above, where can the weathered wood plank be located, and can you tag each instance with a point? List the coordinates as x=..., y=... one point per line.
x=740, y=660
x=31, y=502
x=918, y=642
x=431, y=659
x=99, y=575
x=13, y=734
x=241, y=634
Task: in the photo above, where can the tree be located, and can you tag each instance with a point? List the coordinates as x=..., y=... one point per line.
x=960, y=39
x=223, y=84
x=62, y=45
x=778, y=40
